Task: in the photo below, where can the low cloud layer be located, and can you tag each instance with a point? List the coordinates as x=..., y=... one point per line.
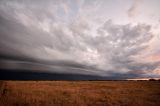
x=59, y=37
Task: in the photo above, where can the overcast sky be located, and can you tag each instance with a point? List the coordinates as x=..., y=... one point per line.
x=93, y=37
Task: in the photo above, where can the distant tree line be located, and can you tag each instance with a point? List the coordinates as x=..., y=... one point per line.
x=152, y=79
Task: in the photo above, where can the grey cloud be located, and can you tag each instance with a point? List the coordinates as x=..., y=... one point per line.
x=47, y=67
x=120, y=43
x=30, y=37
x=69, y=47
x=132, y=10
x=21, y=39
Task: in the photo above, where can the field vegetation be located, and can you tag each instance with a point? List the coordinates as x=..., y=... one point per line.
x=79, y=93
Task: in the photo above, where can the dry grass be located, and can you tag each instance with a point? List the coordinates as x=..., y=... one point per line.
x=79, y=93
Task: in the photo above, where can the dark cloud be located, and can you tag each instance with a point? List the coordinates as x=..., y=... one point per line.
x=34, y=37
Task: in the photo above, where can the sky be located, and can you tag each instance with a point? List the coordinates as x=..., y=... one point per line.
x=90, y=37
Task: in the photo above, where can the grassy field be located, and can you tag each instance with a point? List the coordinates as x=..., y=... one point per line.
x=79, y=93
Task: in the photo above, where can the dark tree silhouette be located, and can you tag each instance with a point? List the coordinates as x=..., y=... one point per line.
x=152, y=79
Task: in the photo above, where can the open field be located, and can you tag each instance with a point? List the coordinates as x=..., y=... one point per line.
x=79, y=93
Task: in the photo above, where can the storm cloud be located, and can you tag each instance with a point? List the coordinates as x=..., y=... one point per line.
x=61, y=37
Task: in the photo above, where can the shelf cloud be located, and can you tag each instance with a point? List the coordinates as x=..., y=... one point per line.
x=78, y=37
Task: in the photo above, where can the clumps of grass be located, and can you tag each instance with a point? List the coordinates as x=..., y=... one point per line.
x=79, y=93
x=3, y=89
